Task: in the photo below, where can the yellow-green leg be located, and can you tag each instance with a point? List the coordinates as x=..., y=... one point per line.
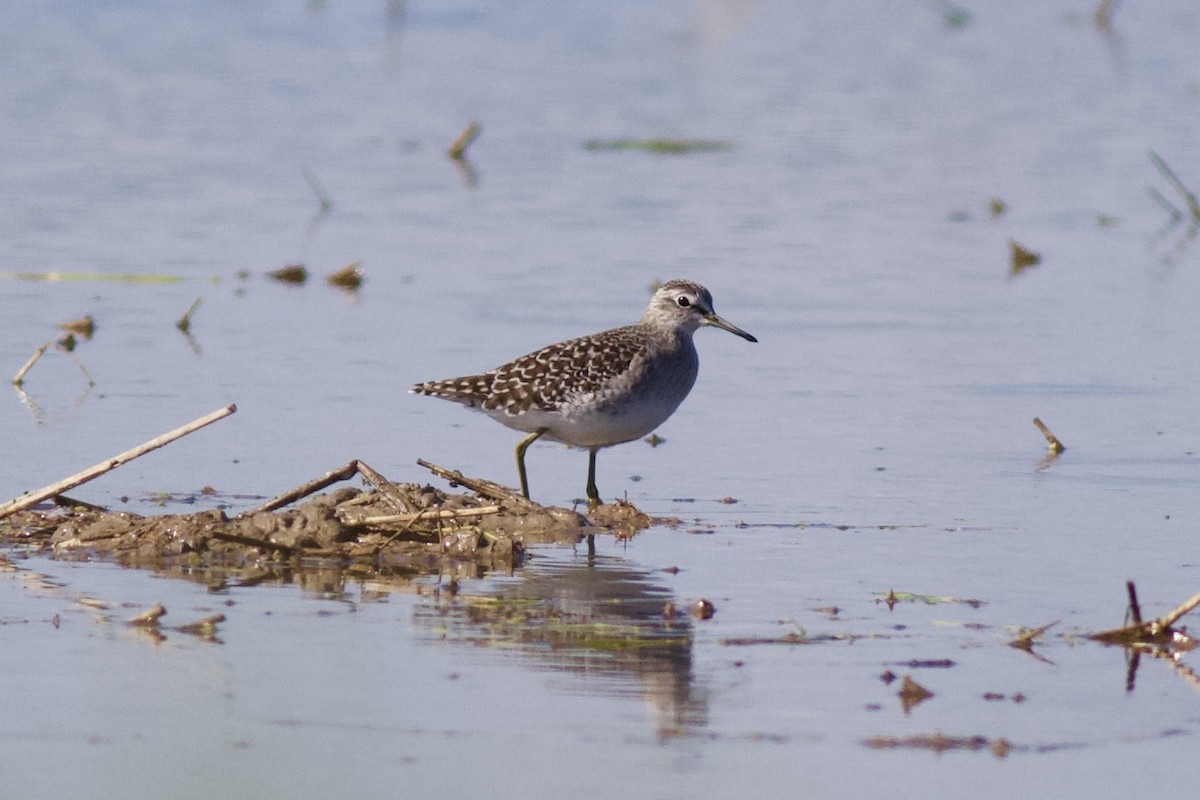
x=521, y=448
x=593, y=494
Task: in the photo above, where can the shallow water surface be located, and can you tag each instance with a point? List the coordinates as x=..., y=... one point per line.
x=878, y=437
x=567, y=660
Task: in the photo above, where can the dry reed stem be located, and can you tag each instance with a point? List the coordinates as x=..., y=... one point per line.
x=19, y=378
x=492, y=491
x=185, y=322
x=95, y=471
x=386, y=488
x=1173, y=617
x=1188, y=196
x=458, y=148
x=1052, y=442
x=342, y=473
x=33, y=359
x=1155, y=631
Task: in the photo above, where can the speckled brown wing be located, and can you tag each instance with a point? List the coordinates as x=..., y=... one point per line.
x=546, y=378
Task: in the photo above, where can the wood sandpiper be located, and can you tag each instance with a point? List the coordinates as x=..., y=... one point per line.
x=600, y=390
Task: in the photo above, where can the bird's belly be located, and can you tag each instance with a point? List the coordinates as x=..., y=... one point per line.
x=591, y=428
x=597, y=422
x=611, y=426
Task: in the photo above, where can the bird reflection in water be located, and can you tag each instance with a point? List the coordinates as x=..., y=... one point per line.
x=598, y=620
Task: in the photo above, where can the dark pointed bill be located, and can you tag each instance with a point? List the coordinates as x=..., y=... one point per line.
x=712, y=319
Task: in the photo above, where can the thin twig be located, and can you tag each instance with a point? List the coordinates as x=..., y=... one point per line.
x=322, y=196
x=20, y=376
x=407, y=527
x=32, y=499
x=458, y=148
x=185, y=322
x=1135, y=608
x=1173, y=617
x=1168, y=173
x=1156, y=631
x=492, y=491
x=343, y=473
x=1175, y=214
x=386, y=489
x=1052, y=442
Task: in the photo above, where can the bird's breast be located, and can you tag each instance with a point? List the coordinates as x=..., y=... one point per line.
x=628, y=407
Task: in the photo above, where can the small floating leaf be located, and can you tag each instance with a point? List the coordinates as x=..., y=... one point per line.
x=1021, y=257
x=1026, y=637
x=85, y=326
x=149, y=617
x=912, y=694
x=893, y=597
x=292, y=273
x=349, y=277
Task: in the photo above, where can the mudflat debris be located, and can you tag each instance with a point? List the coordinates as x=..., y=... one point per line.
x=387, y=524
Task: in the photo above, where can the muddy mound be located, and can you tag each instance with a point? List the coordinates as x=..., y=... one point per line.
x=386, y=524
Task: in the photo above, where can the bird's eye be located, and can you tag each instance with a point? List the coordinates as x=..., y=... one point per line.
x=683, y=302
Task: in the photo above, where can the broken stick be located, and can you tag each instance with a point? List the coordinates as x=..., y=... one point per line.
x=27, y=500
x=458, y=148
x=19, y=378
x=65, y=345
x=1179, y=611
x=1052, y=442
x=1155, y=631
x=492, y=491
x=342, y=473
x=387, y=490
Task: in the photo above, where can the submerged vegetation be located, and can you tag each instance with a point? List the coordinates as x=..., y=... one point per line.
x=660, y=146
